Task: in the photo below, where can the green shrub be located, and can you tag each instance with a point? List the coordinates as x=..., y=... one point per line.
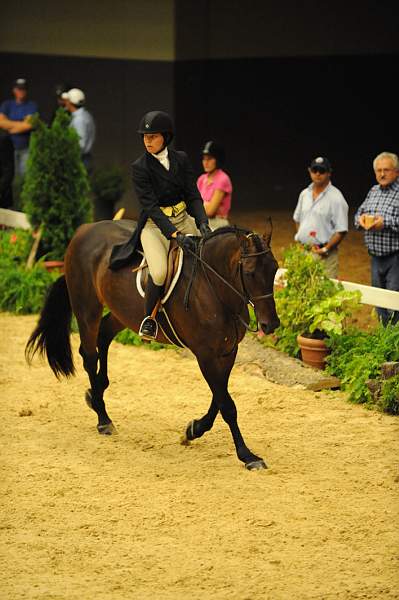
x=389, y=400
x=310, y=302
x=23, y=291
x=56, y=187
x=15, y=245
x=357, y=356
x=129, y=337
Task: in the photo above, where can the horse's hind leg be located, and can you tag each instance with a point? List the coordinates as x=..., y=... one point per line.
x=109, y=327
x=216, y=372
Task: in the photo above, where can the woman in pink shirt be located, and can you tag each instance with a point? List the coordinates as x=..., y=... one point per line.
x=215, y=186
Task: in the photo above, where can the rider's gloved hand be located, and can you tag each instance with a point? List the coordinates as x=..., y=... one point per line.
x=205, y=230
x=186, y=242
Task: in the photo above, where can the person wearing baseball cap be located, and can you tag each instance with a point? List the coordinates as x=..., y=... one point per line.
x=15, y=118
x=321, y=215
x=59, y=89
x=82, y=121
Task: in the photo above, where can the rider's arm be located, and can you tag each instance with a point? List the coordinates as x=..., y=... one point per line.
x=149, y=201
x=212, y=206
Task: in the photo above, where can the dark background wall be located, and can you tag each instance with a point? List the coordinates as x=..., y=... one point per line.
x=117, y=93
x=275, y=114
x=276, y=84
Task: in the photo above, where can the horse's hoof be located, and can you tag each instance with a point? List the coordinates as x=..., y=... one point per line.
x=107, y=429
x=190, y=433
x=88, y=399
x=256, y=465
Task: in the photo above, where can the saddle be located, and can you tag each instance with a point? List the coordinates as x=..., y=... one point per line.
x=175, y=264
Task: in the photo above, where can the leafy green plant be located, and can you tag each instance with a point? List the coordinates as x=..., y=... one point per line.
x=23, y=291
x=357, y=356
x=56, y=187
x=389, y=401
x=15, y=245
x=310, y=303
x=129, y=337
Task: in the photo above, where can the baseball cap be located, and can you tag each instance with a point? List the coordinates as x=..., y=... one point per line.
x=20, y=83
x=321, y=161
x=75, y=95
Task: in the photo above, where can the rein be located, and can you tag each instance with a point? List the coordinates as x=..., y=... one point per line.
x=245, y=298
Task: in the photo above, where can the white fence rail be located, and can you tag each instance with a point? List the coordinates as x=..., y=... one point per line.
x=370, y=295
x=13, y=218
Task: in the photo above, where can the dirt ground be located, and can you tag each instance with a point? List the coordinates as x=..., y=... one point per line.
x=138, y=516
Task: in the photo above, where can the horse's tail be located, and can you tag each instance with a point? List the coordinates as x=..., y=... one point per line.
x=52, y=334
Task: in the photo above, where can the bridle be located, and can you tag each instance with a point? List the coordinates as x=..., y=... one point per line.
x=242, y=273
x=245, y=297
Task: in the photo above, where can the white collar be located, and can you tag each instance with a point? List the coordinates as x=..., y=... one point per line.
x=163, y=158
x=163, y=155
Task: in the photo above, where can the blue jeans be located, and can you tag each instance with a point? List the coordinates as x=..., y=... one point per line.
x=385, y=274
x=20, y=158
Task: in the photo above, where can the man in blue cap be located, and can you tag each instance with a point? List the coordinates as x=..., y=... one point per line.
x=321, y=216
x=15, y=118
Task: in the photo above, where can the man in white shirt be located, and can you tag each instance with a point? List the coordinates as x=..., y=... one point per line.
x=321, y=216
x=82, y=122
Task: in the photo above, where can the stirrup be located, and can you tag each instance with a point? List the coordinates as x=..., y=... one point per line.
x=148, y=328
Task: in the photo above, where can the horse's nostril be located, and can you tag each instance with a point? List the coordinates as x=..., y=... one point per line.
x=270, y=327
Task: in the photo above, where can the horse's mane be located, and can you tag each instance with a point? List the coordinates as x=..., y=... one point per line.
x=228, y=229
x=237, y=231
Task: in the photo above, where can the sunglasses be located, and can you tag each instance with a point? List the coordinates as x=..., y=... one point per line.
x=318, y=170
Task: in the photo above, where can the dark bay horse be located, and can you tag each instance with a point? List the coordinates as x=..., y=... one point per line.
x=235, y=267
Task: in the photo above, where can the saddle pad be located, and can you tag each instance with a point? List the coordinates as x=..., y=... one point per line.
x=177, y=267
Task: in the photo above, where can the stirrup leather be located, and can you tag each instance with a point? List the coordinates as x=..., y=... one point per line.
x=151, y=331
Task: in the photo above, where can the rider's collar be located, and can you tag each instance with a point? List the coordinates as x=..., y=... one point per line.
x=163, y=158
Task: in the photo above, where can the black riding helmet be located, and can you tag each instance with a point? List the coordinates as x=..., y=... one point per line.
x=157, y=121
x=216, y=150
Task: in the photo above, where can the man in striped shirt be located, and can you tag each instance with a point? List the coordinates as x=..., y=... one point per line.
x=378, y=215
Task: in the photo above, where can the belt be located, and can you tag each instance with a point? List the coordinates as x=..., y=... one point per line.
x=173, y=211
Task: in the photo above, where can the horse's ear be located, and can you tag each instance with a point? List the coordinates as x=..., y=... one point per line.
x=267, y=236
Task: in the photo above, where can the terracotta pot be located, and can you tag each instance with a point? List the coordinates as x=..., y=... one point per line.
x=51, y=265
x=313, y=351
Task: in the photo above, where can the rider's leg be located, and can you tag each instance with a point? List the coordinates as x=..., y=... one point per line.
x=155, y=246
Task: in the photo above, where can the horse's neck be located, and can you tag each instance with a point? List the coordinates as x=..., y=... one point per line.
x=223, y=254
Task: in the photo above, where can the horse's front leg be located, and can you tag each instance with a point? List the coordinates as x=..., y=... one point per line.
x=197, y=427
x=216, y=371
x=94, y=335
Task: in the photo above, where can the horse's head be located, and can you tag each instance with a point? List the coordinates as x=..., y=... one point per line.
x=258, y=269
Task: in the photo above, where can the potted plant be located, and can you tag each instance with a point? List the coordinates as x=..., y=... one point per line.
x=56, y=187
x=311, y=307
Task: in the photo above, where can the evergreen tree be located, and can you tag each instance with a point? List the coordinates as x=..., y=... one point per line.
x=56, y=188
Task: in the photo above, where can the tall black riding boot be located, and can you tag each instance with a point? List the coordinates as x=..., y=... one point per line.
x=149, y=327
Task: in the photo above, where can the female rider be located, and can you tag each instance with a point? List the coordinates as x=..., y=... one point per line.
x=167, y=194
x=215, y=185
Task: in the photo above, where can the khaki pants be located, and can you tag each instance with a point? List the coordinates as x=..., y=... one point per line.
x=330, y=262
x=216, y=222
x=156, y=245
